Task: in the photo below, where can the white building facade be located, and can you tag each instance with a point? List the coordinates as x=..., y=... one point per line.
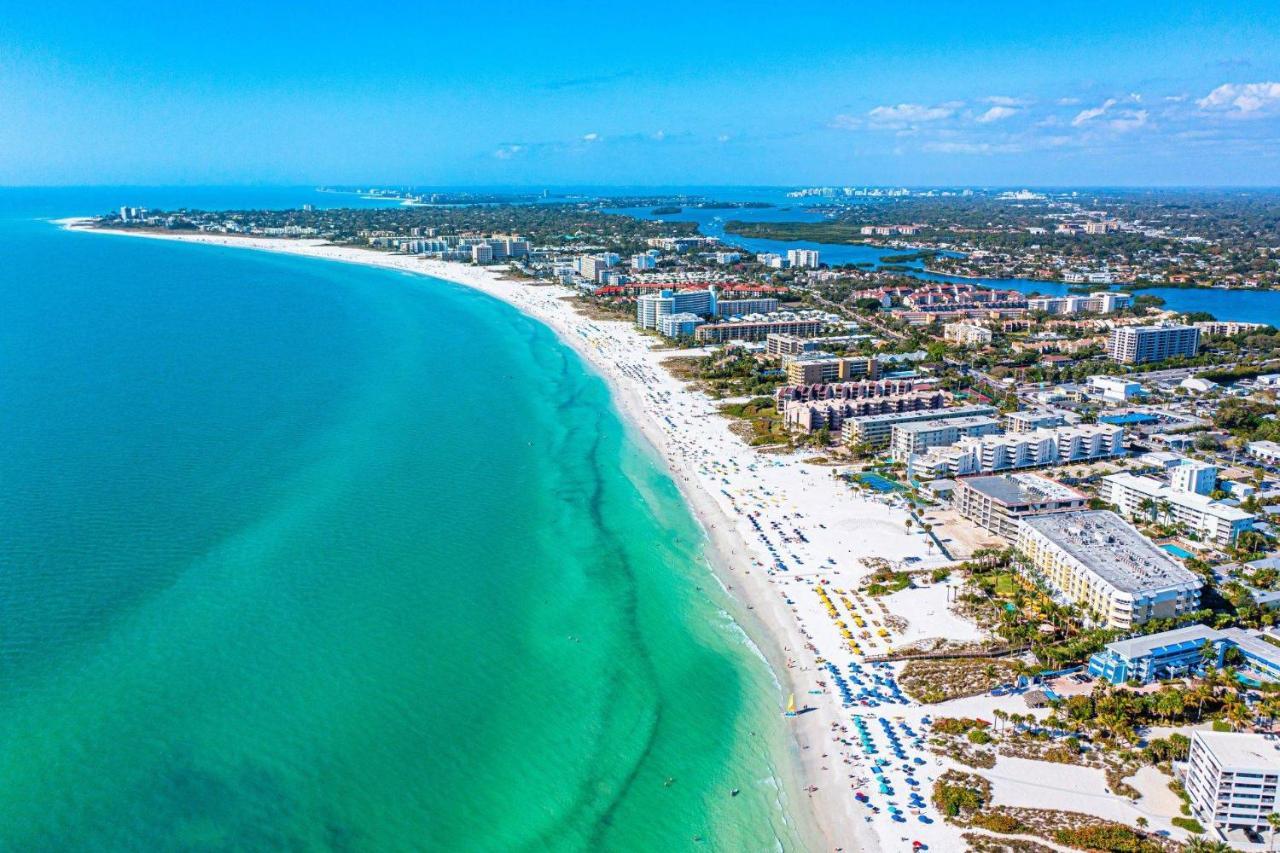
x=1231, y=779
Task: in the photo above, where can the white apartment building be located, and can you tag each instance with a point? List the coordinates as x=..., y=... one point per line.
x=802, y=258
x=876, y=430
x=986, y=454
x=1114, y=389
x=1142, y=344
x=742, y=307
x=1231, y=779
x=1227, y=328
x=999, y=502
x=1096, y=560
x=679, y=325
x=652, y=306
x=1032, y=419
x=1102, y=302
x=1107, y=301
x=1198, y=478
x=1266, y=451
x=912, y=439
x=644, y=262
x=1144, y=497
x=591, y=267
x=966, y=334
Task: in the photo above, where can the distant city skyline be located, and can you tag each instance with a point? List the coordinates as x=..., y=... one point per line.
x=1114, y=94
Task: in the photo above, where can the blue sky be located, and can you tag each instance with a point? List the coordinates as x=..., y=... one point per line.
x=656, y=93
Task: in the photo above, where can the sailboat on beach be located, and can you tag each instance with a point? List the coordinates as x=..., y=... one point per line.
x=791, y=705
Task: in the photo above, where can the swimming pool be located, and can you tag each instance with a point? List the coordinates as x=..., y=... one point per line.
x=1177, y=551
x=1129, y=419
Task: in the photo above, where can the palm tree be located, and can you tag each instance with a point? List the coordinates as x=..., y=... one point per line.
x=1169, y=702
x=1198, y=695
x=1237, y=713
x=1274, y=820
x=1205, y=845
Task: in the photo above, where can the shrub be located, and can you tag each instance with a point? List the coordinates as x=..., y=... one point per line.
x=1189, y=824
x=979, y=736
x=999, y=822
x=957, y=794
x=1109, y=837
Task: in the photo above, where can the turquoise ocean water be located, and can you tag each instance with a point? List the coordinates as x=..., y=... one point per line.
x=305, y=556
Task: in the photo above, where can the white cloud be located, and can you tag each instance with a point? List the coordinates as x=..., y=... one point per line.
x=1128, y=120
x=900, y=115
x=1067, y=102
x=724, y=137
x=996, y=113
x=590, y=137
x=1242, y=99
x=506, y=152
x=1090, y=114
x=1004, y=101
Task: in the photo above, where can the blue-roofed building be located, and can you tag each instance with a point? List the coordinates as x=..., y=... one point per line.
x=1169, y=654
x=1178, y=653
x=1261, y=657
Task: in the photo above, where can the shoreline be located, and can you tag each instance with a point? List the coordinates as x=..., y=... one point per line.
x=691, y=440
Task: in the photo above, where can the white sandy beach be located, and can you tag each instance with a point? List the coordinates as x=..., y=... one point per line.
x=808, y=527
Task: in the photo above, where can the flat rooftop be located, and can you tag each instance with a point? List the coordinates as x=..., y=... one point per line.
x=1022, y=488
x=934, y=414
x=1166, y=641
x=1161, y=491
x=942, y=423
x=1252, y=643
x=1241, y=750
x=1114, y=550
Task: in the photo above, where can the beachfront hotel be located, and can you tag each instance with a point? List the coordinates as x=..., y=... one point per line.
x=876, y=430
x=911, y=439
x=1155, y=657
x=1181, y=652
x=803, y=392
x=811, y=415
x=1100, y=562
x=742, y=307
x=757, y=330
x=814, y=368
x=1232, y=780
x=651, y=307
x=1145, y=497
x=788, y=345
x=984, y=454
x=999, y=503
